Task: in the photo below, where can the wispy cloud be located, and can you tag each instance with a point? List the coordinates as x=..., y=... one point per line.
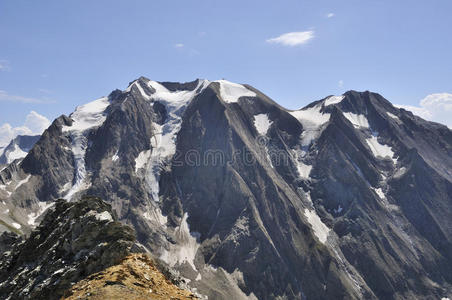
x=179, y=45
x=434, y=107
x=340, y=83
x=5, y=97
x=330, y=15
x=4, y=65
x=45, y=91
x=292, y=39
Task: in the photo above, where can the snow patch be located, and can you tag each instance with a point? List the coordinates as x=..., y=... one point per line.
x=333, y=100
x=16, y=153
x=142, y=159
x=262, y=123
x=320, y=229
x=303, y=169
x=89, y=115
x=231, y=92
x=140, y=88
x=22, y=182
x=357, y=120
x=16, y=225
x=115, y=156
x=338, y=209
x=42, y=207
x=312, y=120
x=392, y=116
x=380, y=150
x=400, y=172
x=104, y=216
x=380, y=193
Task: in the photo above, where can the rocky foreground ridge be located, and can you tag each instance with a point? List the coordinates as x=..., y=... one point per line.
x=74, y=240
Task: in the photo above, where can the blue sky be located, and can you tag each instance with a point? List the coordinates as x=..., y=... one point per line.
x=55, y=55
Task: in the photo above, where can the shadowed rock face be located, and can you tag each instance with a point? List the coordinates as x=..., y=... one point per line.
x=346, y=198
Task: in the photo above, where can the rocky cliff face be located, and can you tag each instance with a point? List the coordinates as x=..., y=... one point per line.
x=74, y=240
x=348, y=197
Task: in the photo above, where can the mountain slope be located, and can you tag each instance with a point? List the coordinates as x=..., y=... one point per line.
x=347, y=198
x=17, y=148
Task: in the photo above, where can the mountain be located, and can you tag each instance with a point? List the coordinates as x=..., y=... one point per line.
x=348, y=197
x=17, y=148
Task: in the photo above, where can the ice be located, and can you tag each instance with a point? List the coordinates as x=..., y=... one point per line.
x=333, y=100
x=312, y=120
x=262, y=123
x=231, y=92
x=357, y=120
x=163, y=142
x=85, y=118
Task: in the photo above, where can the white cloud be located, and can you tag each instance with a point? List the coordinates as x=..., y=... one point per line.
x=340, y=83
x=34, y=124
x=434, y=107
x=330, y=15
x=4, y=96
x=179, y=45
x=293, y=38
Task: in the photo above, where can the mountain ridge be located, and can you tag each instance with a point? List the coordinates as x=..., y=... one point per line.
x=320, y=198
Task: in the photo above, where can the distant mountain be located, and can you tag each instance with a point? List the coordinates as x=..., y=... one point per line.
x=17, y=148
x=347, y=198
